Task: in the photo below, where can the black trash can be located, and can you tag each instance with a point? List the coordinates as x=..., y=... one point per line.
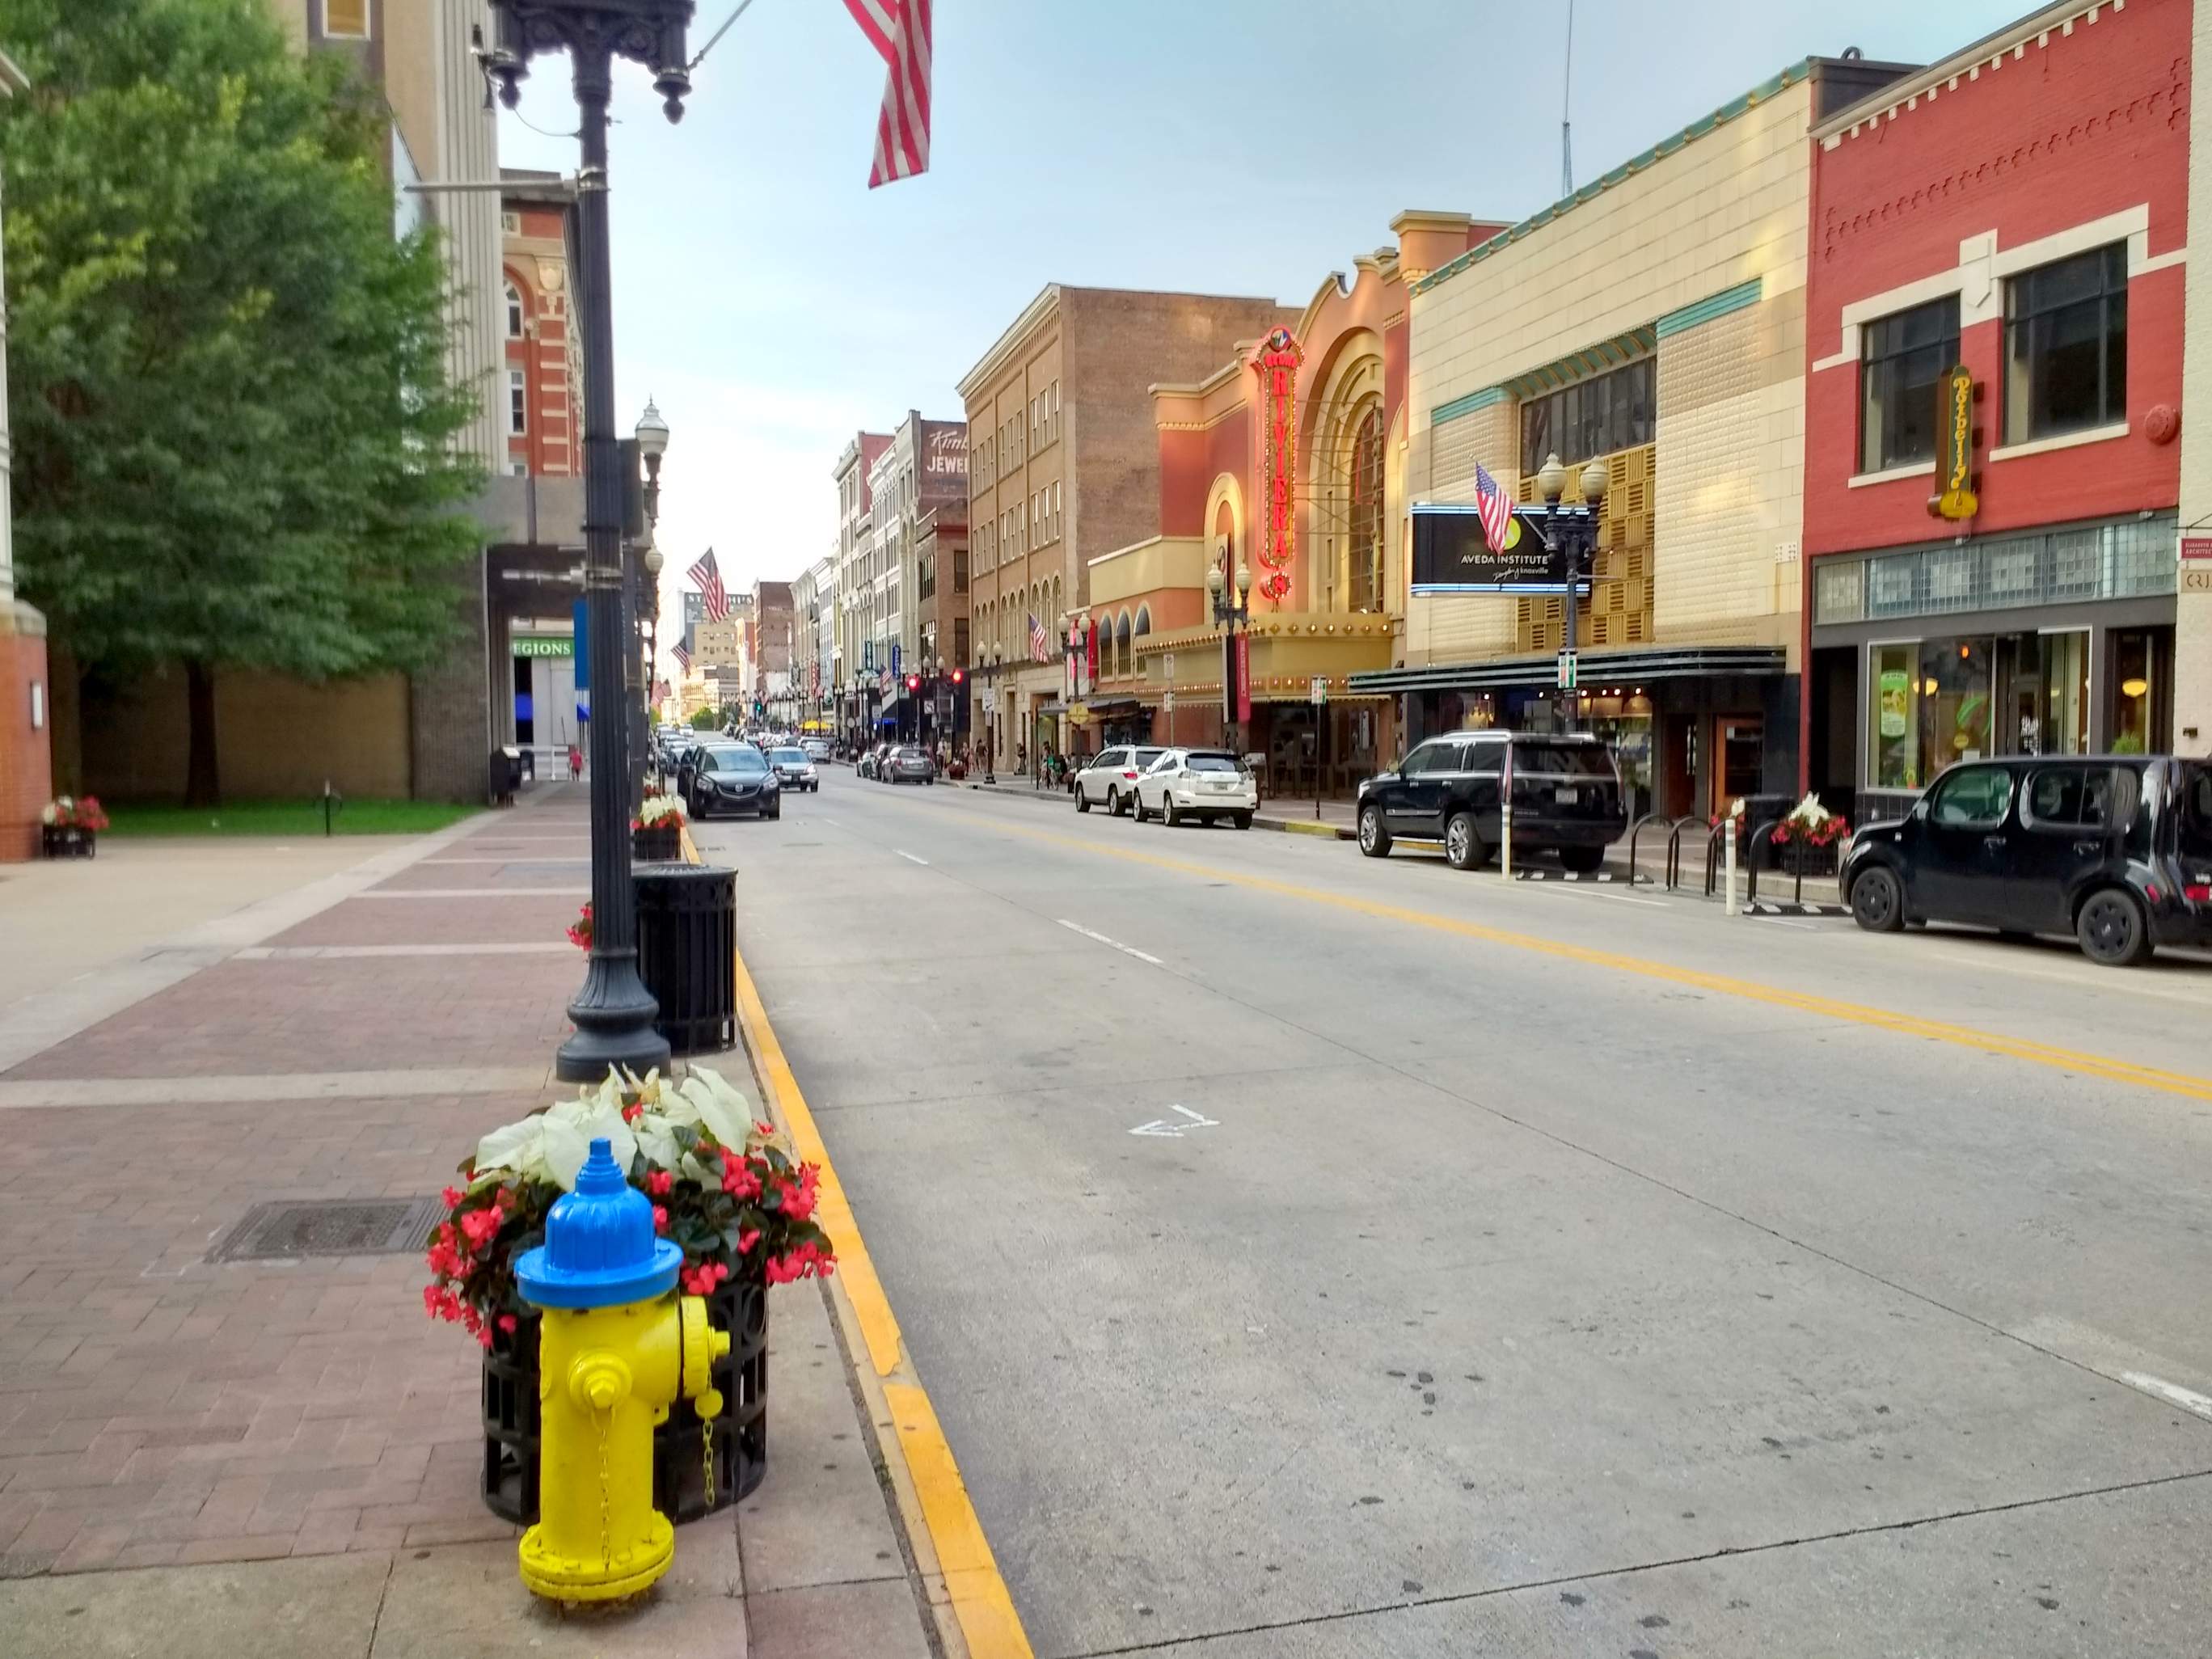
x=506, y=773
x=687, y=944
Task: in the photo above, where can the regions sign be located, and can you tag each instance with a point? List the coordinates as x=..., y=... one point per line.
x=1451, y=555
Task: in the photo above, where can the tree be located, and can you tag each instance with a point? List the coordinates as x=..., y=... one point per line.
x=702, y=719
x=232, y=407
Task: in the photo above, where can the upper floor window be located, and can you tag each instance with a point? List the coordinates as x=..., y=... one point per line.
x=346, y=19
x=514, y=311
x=1902, y=357
x=1593, y=416
x=517, y=402
x=2066, y=346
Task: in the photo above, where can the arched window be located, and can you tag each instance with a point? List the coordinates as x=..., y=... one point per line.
x=1143, y=620
x=514, y=311
x=1125, y=661
x=1364, y=516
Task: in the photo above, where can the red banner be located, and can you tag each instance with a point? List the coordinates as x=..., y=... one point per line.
x=1091, y=653
x=1243, y=677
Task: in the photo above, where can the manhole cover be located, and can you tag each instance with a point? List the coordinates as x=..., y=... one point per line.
x=331, y=1226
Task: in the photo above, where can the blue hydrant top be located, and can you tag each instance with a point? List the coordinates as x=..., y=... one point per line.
x=599, y=1248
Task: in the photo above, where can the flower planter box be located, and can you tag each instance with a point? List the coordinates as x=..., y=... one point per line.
x=650, y=846
x=697, y=1467
x=67, y=842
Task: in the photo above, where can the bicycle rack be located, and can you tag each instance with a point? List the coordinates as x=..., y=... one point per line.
x=1674, y=849
x=1713, y=855
x=1751, y=859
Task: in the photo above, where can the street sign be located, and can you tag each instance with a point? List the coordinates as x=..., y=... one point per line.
x=1167, y=664
x=1318, y=692
x=990, y=703
x=1167, y=702
x=1568, y=669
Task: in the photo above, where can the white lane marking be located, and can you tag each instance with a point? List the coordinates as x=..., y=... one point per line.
x=1785, y=921
x=2188, y=1399
x=1160, y=1129
x=827, y=819
x=1110, y=944
x=910, y=858
x=1618, y=898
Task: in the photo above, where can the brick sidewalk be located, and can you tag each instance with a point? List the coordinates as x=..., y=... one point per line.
x=156, y=1408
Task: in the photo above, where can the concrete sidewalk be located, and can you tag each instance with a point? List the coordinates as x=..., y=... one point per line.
x=282, y=1456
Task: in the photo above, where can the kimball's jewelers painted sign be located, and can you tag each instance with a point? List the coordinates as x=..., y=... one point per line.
x=1277, y=365
x=1954, y=451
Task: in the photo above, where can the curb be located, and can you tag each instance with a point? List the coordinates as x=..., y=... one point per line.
x=969, y=1604
x=1303, y=827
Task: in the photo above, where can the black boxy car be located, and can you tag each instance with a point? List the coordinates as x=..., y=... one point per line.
x=2114, y=849
x=733, y=777
x=1566, y=798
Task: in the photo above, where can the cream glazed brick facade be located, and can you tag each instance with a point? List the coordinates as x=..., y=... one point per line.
x=1694, y=251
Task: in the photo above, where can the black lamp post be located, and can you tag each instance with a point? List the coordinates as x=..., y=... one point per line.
x=613, y=1012
x=1230, y=616
x=991, y=717
x=1573, y=534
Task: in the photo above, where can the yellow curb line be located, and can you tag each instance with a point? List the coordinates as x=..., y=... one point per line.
x=969, y=1573
x=1300, y=827
x=2036, y=1054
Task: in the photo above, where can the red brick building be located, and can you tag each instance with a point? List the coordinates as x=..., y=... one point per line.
x=1994, y=330
x=541, y=398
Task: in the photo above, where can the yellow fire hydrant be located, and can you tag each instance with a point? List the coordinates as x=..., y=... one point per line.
x=615, y=1351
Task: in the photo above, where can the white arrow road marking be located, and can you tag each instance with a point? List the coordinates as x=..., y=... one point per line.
x=2188, y=1399
x=910, y=858
x=1162, y=1129
x=1110, y=944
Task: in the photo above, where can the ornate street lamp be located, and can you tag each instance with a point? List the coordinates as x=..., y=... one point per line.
x=613, y=1012
x=1230, y=616
x=1574, y=534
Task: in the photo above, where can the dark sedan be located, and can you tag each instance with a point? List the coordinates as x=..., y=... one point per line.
x=908, y=764
x=2115, y=850
x=733, y=778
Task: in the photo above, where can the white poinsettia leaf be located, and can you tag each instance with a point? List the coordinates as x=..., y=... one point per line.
x=565, y=1150
x=655, y=1141
x=723, y=1111
x=511, y=1147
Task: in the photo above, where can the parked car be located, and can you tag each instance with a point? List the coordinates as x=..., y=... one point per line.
x=872, y=762
x=734, y=778
x=907, y=764
x=1566, y=795
x=687, y=760
x=1109, y=778
x=794, y=769
x=1197, y=784
x=817, y=749
x=2114, y=849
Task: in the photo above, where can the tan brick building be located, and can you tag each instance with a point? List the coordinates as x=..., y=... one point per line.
x=1063, y=467
x=1655, y=321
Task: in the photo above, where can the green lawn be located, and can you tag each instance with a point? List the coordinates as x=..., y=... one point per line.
x=287, y=817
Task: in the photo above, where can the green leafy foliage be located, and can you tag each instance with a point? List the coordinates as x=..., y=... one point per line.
x=703, y=719
x=229, y=381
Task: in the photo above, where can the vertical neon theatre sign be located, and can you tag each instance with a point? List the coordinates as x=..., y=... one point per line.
x=1277, y=366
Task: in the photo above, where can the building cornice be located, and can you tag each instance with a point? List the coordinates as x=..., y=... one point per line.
x=1033, y=316
x=1966, y=65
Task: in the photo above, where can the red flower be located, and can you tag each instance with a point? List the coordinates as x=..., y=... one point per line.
x=508, y=1323
x=738, y=1180
x=659, y=1182
x=451, y=1197
x=659, y=1219
x=747, y=1239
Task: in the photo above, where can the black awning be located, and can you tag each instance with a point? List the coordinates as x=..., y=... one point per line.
x=1635, y=667
x=1112, y=707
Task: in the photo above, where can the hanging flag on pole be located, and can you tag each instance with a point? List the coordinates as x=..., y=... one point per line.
x=708, y=579
x=1039, y=646
x=899, y=31
x=682, y=658
x=1492, y=508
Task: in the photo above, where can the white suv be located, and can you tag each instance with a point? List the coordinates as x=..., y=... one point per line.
x=1204, y=784
x=1110, y=779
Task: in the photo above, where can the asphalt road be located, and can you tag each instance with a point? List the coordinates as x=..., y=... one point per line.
x=1310, y=1255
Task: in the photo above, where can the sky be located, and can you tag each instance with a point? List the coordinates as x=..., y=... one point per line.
x=774, y=305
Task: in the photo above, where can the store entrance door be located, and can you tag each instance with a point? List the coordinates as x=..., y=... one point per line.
x=1739, y=749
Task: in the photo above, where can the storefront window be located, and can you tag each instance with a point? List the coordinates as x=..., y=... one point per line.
x=1933, y=702
x=2135, y=692
x=1893, y=718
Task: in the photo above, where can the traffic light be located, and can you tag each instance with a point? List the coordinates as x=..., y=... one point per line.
x=913, y=682
x=960, y=677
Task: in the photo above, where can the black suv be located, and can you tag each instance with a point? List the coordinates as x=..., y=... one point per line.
x=2115, y=850
x=1567, y=798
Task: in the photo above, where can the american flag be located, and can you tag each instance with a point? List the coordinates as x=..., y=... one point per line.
x=708, y=580
x=683, y=656
x=1039, y=646
x=899, y=31
x=1492, y=506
